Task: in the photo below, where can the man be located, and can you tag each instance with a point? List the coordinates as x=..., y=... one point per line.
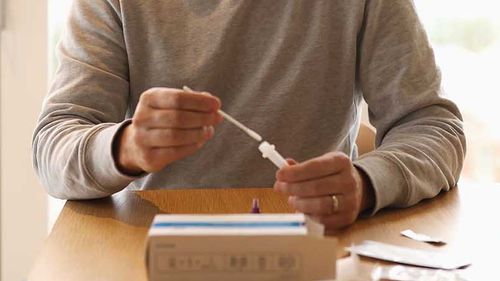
x=294, y=71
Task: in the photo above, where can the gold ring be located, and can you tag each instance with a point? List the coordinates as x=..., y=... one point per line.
x=335, y=203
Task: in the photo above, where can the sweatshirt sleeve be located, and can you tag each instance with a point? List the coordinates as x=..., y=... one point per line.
x=420, y=139
x=86, y=106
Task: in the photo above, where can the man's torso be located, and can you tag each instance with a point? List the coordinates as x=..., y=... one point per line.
x=286, y=69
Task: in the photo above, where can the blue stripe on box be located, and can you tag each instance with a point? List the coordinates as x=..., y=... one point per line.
x=269, y=224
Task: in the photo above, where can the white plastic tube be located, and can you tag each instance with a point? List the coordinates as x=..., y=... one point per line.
x=233, y=121
x=269, y=152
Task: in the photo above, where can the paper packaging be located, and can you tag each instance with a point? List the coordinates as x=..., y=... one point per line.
x=239, y=247
x=422, y=237
x=403, y=255
x=410, y=273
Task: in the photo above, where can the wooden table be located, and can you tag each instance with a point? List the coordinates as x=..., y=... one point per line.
x=105, y=239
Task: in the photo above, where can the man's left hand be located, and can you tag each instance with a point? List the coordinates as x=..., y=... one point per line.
x=328, y=188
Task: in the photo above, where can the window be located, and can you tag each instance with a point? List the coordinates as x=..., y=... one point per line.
x=466, y=40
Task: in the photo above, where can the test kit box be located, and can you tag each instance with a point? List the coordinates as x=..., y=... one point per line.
x=239, y=247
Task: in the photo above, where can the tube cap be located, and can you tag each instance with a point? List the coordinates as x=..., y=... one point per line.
x=268, y=151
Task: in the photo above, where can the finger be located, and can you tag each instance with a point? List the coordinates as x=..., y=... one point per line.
x=291, y=161
x=334, y=184
x=179, y=152
x=335, y=221
x=176, y=119
x=164, y=98
x=330, y=163
x=159, y=138
x=188, y=90
x=322, y=205
x=157, y=158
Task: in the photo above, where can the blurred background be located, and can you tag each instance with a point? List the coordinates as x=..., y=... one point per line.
x=466, y=40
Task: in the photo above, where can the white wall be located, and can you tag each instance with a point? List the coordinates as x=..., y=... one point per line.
x=23, y=81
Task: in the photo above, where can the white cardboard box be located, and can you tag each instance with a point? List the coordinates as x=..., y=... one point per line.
x=239, y=247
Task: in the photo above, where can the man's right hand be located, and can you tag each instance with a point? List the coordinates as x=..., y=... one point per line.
x=168, y=125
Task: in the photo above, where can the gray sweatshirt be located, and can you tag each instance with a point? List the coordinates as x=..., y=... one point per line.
x=294, y=71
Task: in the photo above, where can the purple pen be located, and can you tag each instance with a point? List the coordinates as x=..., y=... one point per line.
x=255, y=206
